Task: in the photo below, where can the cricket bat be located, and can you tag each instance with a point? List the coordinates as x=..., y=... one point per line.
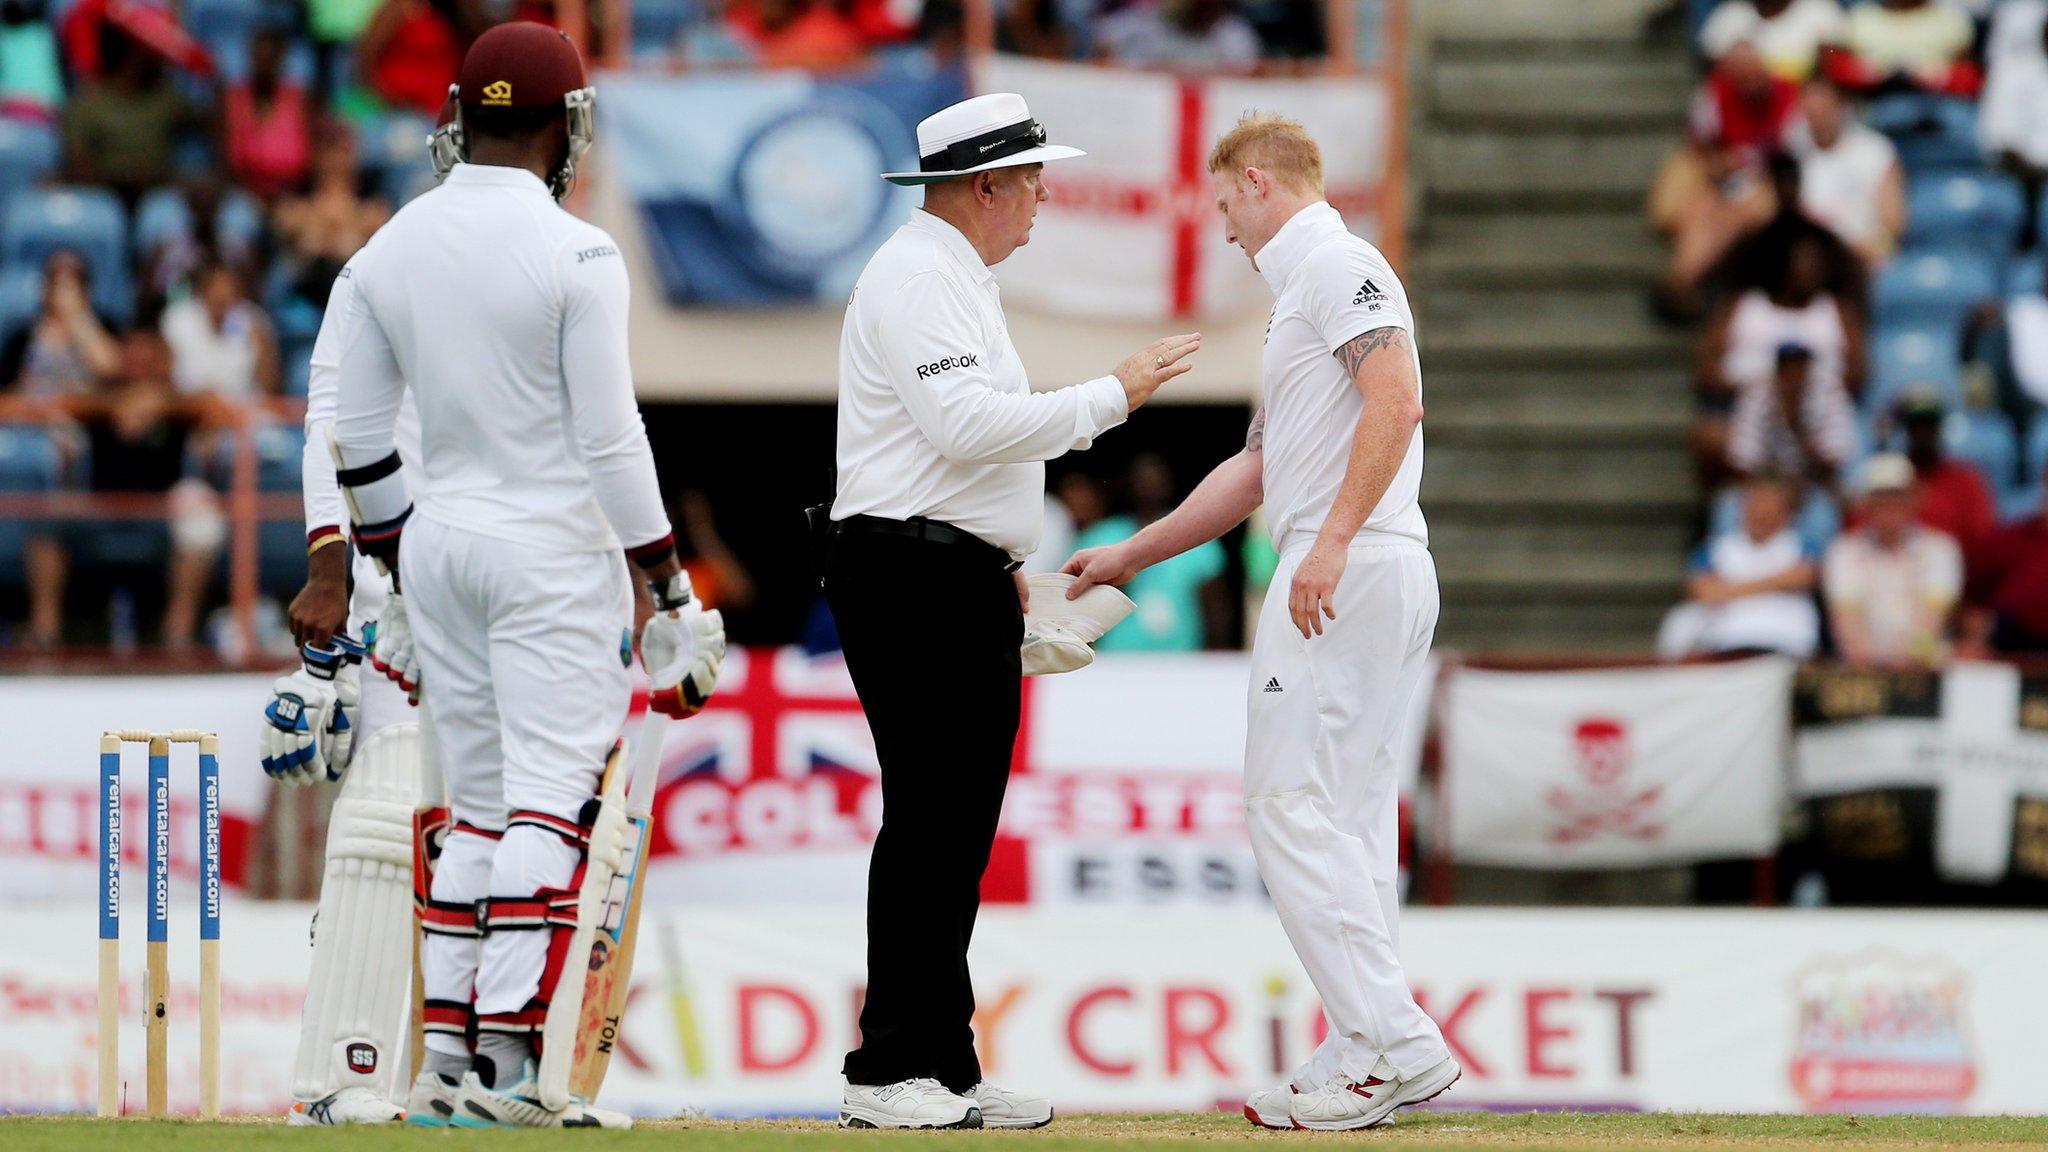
x=610, y=978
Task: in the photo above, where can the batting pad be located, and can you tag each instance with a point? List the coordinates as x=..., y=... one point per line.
x=1058, y=632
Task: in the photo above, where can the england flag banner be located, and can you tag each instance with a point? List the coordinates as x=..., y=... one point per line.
x=1615, y=769
x=1132, y=231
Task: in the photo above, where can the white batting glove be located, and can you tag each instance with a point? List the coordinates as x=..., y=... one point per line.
x=309, y=726
x=391, y=648
x=683, y=647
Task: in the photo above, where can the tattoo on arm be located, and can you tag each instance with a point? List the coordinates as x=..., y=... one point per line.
x=1255, y=438
x=1355, y=351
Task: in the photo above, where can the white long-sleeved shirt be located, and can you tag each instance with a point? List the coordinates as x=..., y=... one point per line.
x=1329, y=288
x=506, y=317
x=325, y=511
x=936, y=415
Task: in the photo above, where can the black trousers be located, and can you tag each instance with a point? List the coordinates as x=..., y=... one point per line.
x=931, y=634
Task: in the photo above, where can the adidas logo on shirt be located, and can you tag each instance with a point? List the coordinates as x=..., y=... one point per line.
x=1370, y=295
x=1273, y=685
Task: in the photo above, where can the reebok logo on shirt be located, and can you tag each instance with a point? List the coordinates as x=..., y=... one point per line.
x=947, y=364
x=1369, y=294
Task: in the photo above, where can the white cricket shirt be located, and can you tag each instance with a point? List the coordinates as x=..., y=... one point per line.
x=1329, y=287
x=506, y=318
x=324, y=506
x=936, y=416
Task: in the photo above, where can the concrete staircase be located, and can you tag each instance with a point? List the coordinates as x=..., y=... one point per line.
x=1558, y=489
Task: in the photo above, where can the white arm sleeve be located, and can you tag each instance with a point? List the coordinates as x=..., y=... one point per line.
x=324, y=508
x=368, y=391
x=597, y=377
x=935, y=351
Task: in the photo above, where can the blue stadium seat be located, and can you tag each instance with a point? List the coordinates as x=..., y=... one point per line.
x=1965, y=209
x=21, y=297
x=2037, y=451
x=222, y=21
x=88, y=221
x=1904, y=356
x=163, y=215
x=1933, y=133
x=2018, y=503
x=1934, y=286
x=28, y=463
x=1985, y=438
x=658, y=23
x=28, y=152
x=2025, y=276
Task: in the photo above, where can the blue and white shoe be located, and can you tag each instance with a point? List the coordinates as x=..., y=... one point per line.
x=519, y=1107
x=432, y=1103
x=352, y=1105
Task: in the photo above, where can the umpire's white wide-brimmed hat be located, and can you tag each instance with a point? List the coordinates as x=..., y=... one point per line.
x=992, y=131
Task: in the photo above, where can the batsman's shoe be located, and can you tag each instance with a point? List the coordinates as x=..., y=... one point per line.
x=1272, y=1107
x=920, y=1103
x=519, y=1107
x=432, y=1103
x=352, y=1105
x=1343, y=1104
x=1002, y=1108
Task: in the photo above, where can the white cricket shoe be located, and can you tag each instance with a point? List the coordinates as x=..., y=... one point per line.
x=1270, y=1107
x=519, y=1107
x=432, y=1103
x=1343, y=1104
x=354, y=1104
x=1002, y=1108
x=919, y=1103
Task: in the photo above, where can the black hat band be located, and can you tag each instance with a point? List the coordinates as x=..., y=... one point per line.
x=976, y=151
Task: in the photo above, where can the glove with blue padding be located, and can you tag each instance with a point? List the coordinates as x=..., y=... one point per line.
x=309, y=726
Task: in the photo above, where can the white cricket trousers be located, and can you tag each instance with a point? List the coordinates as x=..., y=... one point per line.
x=520, y=662
x=1322, y=799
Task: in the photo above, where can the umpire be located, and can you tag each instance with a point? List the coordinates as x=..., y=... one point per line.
x=940, y=497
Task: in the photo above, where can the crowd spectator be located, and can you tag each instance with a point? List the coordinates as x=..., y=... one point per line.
x=1761, y=256
x=1181, y=35
x=137, y=432
x=31, y=76
x=221, y=342
x=1890, y=584
x=1751, y=589
x=1715, y=187
x=716, y=574
x=797, y=34
x=1034, y=28
x=122, y=130
x=411, y=51
x=1908, y=45
x=2012, y=122
x=336, y=216
x=1741, y=352
x=1953, y=497
x=66, y=348
x=1800, y=426
x=268, y=122
x=1180, y=602
x=1788, y=33
x=1850, y=179
x=2009, y=587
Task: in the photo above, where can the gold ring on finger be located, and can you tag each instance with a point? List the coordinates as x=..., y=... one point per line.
x=1159, y=361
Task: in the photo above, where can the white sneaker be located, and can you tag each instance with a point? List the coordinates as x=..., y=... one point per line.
x=1343, y=1104
x=352, y=1105
x=432, y=1103
x=1001, y=1108
x=519, y=1107
x=1270, y=1107
x=919, y=1103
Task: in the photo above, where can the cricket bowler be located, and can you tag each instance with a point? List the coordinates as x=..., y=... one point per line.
x=1335, y=454
x=503, y=317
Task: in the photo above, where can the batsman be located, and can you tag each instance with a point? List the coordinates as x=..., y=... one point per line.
x=502, y=318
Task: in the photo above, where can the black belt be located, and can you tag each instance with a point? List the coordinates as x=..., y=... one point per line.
x=938, y=532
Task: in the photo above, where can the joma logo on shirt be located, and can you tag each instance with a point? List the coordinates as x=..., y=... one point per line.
x=1369, y=294
x=601, y=250
x=946, y=365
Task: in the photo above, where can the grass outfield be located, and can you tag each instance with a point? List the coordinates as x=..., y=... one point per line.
x=1427, y=1130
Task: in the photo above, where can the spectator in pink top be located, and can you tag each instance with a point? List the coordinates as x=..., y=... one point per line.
x=269, y=123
